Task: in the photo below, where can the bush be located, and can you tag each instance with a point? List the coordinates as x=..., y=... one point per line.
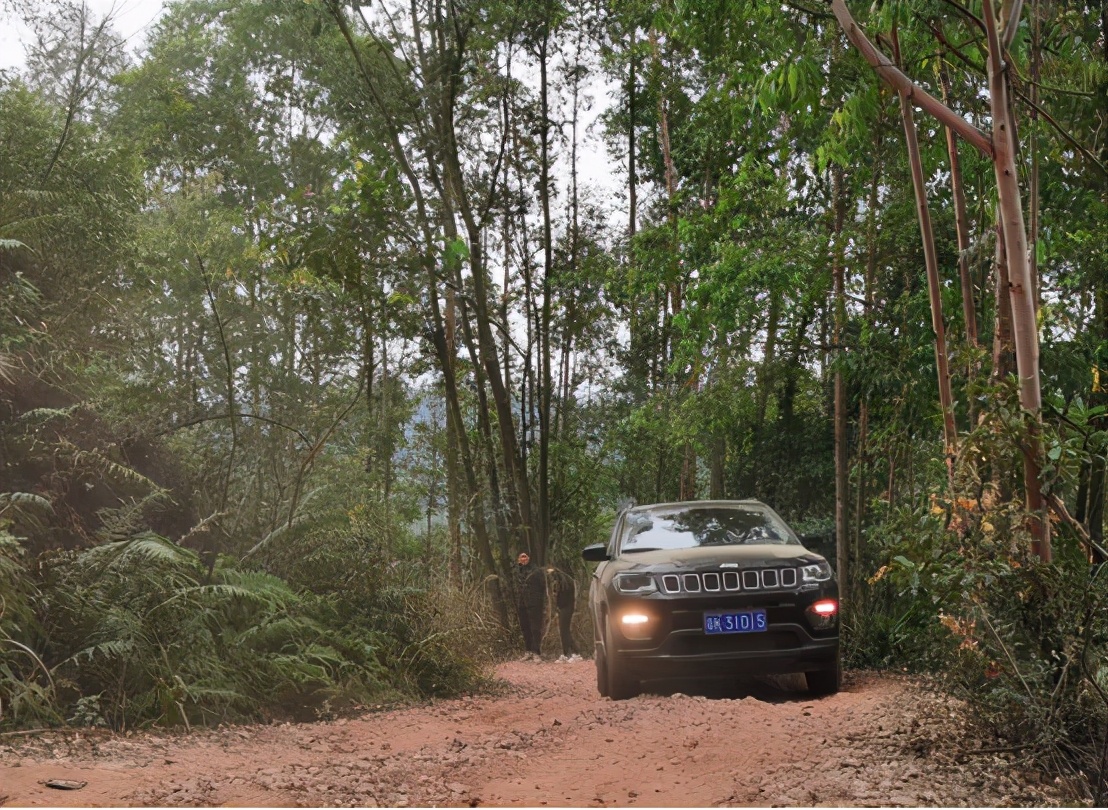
x=1022, y=642
x=140, y=625
x=433, y=636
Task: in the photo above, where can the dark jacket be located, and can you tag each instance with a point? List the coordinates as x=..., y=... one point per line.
x=531, y=584
x=565, y=591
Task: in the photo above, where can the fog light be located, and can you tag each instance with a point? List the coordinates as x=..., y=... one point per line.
x=824, y=614
x=636, y=625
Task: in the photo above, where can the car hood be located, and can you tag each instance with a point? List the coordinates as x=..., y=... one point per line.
x=745, y=556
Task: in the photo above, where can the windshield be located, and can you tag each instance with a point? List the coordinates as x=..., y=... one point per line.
x=707, y=526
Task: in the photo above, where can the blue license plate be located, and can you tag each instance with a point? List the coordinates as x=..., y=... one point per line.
x=743, y=621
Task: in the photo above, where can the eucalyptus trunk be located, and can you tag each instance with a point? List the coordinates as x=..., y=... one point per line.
x=930, y=257
x=1004, y=351
x=842, y=481
x=542, y=539
x=1021, y=286
x=673, y=302
x=961, y=226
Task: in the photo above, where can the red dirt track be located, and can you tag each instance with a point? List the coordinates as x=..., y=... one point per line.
x=548, y=739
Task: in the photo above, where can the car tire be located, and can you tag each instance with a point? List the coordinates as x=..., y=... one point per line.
x=619, y=685
x=601, y=671
x=825, y=681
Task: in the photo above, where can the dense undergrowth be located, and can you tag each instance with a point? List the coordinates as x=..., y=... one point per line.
x=953, y=590
x=141, y=631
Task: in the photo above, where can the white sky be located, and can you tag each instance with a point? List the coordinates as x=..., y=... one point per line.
x=132, y=20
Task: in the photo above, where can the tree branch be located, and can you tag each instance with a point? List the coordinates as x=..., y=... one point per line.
x=905, y=86
x=1059, y=508
x=966, y=13
x=819, y=15
x=1011, y=25
x=969, y=63
x=1085, y=153
x=214, y=417
x=230, y=377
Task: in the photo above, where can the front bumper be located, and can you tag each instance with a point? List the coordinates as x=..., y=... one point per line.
x=678, y=647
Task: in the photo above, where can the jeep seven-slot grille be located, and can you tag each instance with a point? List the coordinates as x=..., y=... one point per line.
x=766, y=579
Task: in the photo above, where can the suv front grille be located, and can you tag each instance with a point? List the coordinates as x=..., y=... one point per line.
x=767, y=579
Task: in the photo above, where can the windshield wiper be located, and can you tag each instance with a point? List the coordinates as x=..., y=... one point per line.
x=637, y=550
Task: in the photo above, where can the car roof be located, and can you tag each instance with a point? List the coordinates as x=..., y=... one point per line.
x=718, y=504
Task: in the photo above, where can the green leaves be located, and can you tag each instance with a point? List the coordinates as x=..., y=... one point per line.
x=454, y=253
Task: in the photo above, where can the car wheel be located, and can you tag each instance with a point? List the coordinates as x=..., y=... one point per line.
x=619, y=685
x=601, y=671
x=826, y=681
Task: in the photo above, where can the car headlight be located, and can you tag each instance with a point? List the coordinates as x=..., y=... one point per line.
x=817, y=572
x=635, y=583
x=636, y=625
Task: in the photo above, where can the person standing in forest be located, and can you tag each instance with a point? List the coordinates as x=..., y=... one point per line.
x=565, y=599
x=530, y=603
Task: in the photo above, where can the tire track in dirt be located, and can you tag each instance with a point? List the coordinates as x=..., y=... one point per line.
x=549, y=740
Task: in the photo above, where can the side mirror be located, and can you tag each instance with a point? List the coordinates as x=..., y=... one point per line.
x=597, y=552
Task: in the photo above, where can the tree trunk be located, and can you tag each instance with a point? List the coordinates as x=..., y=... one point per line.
x=961, y=225
x=870, y=280
x=1033, y=148
x=1004, y=352
x=570, y=316
x=1098, y=397
x=632, y=179
x=453, y=476
x=503, y=503
x=718, y=488
x=674, y=294
x=930, y=257
x=1021, y=287
x=769, y=357
x=456, y=425
x=486, y=344
x=542, y=517
x=838, y=276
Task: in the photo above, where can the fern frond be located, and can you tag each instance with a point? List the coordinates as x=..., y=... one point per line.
x=44, y=415
x=126, y=521
x=12, y=244
x=212, y=594
x=24, y=499
x=295, y=668
x=216, y=694
x=277, y=633
x=202, y=527
x=24, y=507
x=258, y=581
x=10, y=571
x=33, y=656
x=7, y=368
x=99, y=463
x=145, y=547
x=118, y=648
x=276, y=534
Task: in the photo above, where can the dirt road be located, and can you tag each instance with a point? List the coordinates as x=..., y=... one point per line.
x=548, y=739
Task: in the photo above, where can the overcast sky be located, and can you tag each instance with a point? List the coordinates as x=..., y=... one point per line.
x=132, y=19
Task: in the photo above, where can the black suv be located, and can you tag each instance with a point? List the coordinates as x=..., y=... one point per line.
x=710, y=589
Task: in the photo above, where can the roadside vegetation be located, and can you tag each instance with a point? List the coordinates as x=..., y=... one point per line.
x=312, y=316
